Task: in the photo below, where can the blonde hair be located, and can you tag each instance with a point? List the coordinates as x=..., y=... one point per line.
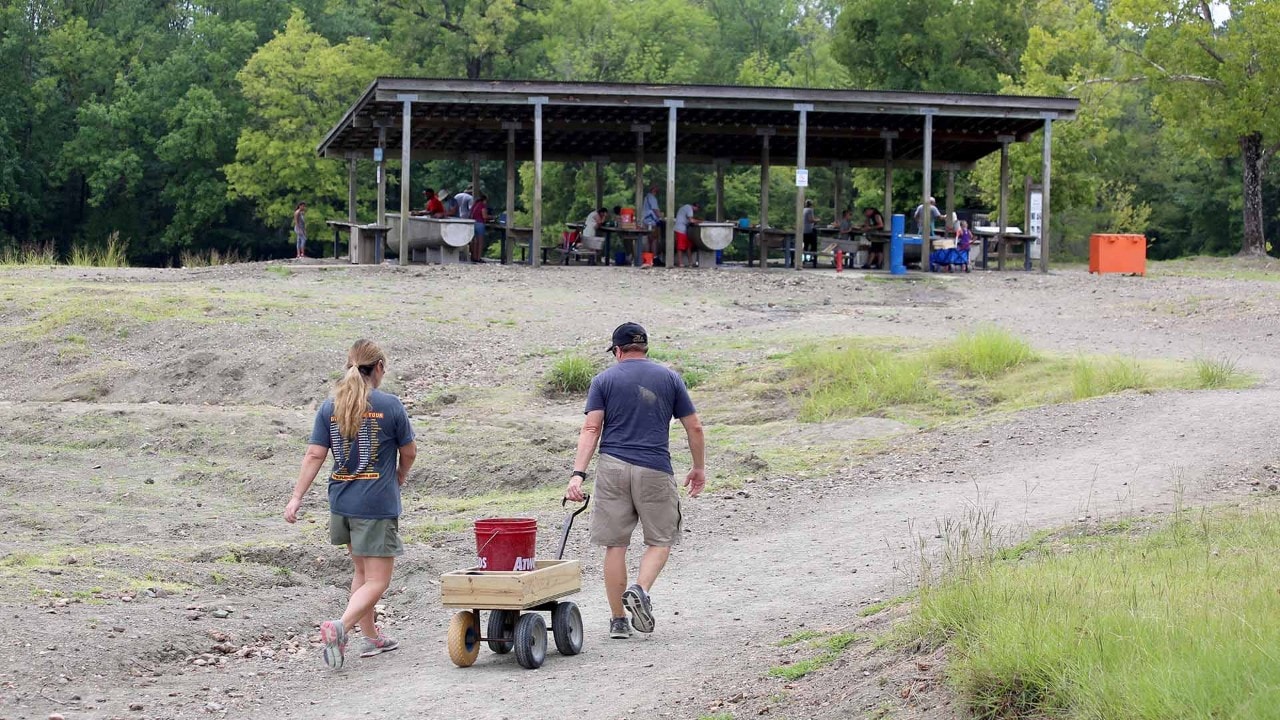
x=351, y=395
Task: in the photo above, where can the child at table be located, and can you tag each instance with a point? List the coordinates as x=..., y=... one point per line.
x=964, y=240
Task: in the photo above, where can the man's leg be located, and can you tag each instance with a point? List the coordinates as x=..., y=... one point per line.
x=651, y=564
x=615, y=578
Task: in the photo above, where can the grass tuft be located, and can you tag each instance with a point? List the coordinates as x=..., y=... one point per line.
x=860, y=380
x=1175, y=624
x=209, y=258
x=571, y=374
x=1219, y=374
x=831, y=648
x=29, y=255
x=987, y=352
x=1091, y=377
x=114, y=255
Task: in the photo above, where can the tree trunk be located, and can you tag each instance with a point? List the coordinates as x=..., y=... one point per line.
x=1251, y=154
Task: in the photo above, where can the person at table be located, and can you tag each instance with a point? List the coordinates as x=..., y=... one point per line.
x=810, y=225
x=687, y=215
x=844, y=228
x=480, y=214
x=873, y=221
x=592, y=238
x=919, y=216
x=464, y=200
x=651, y=216
x=434, y=208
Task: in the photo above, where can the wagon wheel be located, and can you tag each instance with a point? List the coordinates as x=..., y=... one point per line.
x=531, y=641
x=464, y=638
x=502, y=630
x=566, y=626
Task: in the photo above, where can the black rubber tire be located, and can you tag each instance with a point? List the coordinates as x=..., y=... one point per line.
x=502, y=624
x=566, y=627
x=531, y=641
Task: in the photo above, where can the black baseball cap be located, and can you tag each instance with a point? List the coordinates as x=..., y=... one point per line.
x=628, y=334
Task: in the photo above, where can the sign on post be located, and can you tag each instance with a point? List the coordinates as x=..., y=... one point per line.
x=377, y=154
x=802, y=177
x=1035, y=217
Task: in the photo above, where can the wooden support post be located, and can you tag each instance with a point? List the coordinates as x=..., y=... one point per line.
x=639, y=130
x=535, y=243
x=951, y=199
x=839, y=169
x=600, y=160
x=406, y=148
x=670, y=254
x=926, y=212
x=507, y=245
x=1002, y=251
x=1047, y=162
x=721, y=164
x=382, y=175
x=475, y=175
x=797, y=255
x=351, y=190
x=889, y=136
x=765, y=134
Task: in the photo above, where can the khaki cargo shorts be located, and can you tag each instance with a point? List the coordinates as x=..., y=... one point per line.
x=367, y=538
x=626, y=493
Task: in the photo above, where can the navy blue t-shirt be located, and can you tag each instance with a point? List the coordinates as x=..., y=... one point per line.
x=362, y=483
x=639, y=398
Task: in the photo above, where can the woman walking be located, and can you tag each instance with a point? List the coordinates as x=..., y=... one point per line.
x=368, y=432
x=300, y=228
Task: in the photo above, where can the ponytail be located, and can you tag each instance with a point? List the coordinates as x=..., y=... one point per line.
x=351, y=395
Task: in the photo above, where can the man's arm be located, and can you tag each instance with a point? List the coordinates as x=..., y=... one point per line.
x=588, y=439
x=697, y=477
x=312, y=460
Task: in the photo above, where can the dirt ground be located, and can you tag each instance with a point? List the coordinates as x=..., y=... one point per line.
x=155, y=420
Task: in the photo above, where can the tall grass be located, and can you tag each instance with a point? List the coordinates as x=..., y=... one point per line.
x=1176, y=624
x=30, y=254
x=208, y=258
x=570, y=374
x=1092, y=377
x=860, y=380
x=114, y=255
x=1218, y=373
x=986, y=352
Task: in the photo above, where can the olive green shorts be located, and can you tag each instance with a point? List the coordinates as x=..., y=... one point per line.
x=625, y=494
x=367, y=538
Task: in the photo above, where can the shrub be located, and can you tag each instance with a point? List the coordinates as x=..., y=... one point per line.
x=1217, y=374
x=986, y=352
x=848, y=382
x=114, y=255
x=29, y=254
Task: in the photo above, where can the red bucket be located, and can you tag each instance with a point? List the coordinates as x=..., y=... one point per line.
x=506, y=543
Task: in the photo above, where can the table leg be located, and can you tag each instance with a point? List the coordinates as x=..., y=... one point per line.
x=1026, y=255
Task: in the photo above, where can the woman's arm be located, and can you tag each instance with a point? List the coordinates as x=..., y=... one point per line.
x=312, y=460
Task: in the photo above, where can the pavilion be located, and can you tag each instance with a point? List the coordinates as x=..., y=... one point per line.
x=430, y=119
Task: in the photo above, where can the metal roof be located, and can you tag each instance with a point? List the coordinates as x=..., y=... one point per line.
x=581, y=121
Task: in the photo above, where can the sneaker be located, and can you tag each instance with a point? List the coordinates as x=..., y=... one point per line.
x=334, y=637
x=636, y=601
x=377, y=646
x=619, y=628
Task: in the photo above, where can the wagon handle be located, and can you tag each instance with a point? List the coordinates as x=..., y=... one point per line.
x=568, y=522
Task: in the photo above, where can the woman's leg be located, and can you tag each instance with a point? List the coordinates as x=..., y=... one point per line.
x=371, y=580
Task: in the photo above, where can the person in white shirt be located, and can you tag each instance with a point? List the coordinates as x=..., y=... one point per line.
x=464, y=200
x=918, y=216
x=591, y=237
x=686, y=215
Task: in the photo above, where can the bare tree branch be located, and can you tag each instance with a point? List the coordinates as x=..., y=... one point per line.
x=1107, y=81
x=1172, y=76
x=1268, y=153
x=1212, y=53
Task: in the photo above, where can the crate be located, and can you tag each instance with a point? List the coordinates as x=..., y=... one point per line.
x=474, y=588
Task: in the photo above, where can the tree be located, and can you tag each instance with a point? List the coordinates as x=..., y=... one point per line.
x=297, y=85
x=1215, y=84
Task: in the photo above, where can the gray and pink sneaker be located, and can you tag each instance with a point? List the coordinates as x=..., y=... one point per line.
x=334, y=636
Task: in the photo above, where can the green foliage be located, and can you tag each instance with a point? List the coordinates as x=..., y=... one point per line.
x=30, y=254
x=1090, y=377
x=114, y=255
x=571, y=374
x=859, y=380
x=1217, y=373
x=296, y=85
x=1119, y=626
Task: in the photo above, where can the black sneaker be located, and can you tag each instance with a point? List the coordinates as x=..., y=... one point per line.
x=636, y=601
x=619, y=629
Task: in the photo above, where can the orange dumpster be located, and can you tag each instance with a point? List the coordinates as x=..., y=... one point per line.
x=1118, y=253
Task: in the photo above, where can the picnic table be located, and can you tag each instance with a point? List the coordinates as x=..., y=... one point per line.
x=1014, y=236
x=366, y=242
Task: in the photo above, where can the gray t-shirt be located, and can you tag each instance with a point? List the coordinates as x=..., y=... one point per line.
x=683, y=216
x=809, y=221
x=362, y=483
x=639, y=399
x=464, y=200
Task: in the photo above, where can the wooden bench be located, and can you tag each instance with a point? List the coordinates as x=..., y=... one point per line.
x=576, y=254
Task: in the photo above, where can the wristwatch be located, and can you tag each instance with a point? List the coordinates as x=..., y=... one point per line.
x=580, y=473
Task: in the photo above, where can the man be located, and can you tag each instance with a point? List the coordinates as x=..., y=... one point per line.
x=629, y=411
x=919, y=216
x=464, y=201
x=686, y=215
x=434, y=208
x=809, y=228
x=651, y=216
x=591, y=237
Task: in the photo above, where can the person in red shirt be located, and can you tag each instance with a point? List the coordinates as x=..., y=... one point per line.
x=434, y=207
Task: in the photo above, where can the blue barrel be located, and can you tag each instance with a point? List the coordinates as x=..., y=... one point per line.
x=896, y=266
x=719, y=257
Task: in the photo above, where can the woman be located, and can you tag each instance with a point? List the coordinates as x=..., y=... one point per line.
x=300, y=228
x=361, y=425
x=480, y=214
